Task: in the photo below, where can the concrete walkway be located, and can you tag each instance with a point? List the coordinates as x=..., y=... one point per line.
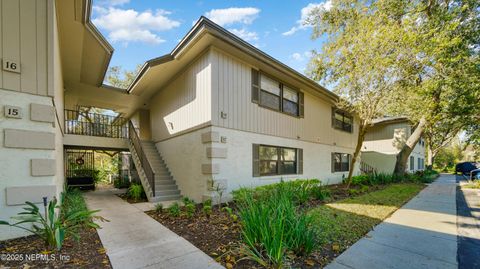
x=132, y=239
x=422, y=234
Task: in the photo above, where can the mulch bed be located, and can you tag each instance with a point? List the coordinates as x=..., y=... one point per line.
x=220, y=236
x=88, y=252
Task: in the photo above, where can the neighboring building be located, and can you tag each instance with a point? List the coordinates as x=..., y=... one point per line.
x=384, y=141
x=215, y=112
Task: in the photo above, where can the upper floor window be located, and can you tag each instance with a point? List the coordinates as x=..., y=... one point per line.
x=341, y=120
x=275, y=95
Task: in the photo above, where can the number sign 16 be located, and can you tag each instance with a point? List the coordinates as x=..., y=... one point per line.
x=12, y=66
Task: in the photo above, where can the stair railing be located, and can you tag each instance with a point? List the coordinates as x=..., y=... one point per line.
x=137, y=145
x=367, y=169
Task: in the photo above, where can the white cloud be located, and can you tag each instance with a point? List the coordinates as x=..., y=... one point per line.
x=128, y=25
x=305, y=13
x=297, y=56
x=227, y=16
x=245, y=34
x=301, y=56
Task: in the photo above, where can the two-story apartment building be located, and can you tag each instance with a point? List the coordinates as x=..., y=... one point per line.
x=214, y=112
x=385, y=139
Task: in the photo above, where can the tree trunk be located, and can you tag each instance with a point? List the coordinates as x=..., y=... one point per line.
x=429, y=160
x=402, y=156
x=362, y=130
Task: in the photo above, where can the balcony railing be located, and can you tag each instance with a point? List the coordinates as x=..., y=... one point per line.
x=94, y=124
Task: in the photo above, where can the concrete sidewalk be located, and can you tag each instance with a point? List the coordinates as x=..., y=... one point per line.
x=422, y=234
x=132, y=239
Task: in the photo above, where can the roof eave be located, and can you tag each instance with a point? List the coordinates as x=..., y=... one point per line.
x=100, y=38
x=207, y=25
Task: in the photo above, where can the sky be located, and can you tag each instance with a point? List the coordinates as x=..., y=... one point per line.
x=140, y=30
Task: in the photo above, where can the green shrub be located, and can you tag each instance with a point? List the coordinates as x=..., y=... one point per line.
x=187, y=201
x=271, y=227
x=59, y=223
x=299, y=190
x=159, y=208
x=190, y=209
x=360, y=180
x=121, y=183
x=321, y=193
x=207, y=210
x=207, y=202
x=136, y=192
x=72, y=201
x=174, y=210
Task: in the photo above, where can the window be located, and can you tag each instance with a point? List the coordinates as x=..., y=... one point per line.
x=341, y=120
x=290, y=101
x=340, y=162
x=273, y=160
x=419, y=163
x=412, y=163
x=275, y=95
x=270, y=93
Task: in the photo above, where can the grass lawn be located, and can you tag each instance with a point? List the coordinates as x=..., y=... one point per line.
x=474, y=184
x=341, y=223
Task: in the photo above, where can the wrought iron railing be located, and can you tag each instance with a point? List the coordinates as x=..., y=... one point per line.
x=367, y=169
x=137, y=144
x=94, y=124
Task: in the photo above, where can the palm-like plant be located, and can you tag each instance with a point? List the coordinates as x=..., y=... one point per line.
x=54, y=226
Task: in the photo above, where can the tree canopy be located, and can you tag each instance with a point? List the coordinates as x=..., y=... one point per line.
x=120, y=78
x=418, y=59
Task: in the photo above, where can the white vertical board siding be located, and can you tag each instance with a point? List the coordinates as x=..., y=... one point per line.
x=23, y=39
x=233, y=87
x=185, y=103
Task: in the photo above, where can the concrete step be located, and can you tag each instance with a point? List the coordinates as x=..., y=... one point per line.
x=167, y=192
x=160, y=177
x=166, y=198
x=166, y=187
x=162, y=173
x=164, y=182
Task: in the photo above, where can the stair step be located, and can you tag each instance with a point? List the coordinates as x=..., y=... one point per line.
x=164, y=182
x=162, y=174
x=166, y=187
x=167, y=192
x=166, y=198
x=159, y=177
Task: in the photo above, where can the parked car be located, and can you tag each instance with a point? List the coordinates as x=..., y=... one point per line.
x=465, y=168
x=475, y=174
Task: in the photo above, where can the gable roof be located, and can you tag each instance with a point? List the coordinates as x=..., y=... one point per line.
x=387, y=120
x=205, y=26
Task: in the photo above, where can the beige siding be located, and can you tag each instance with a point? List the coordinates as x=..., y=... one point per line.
x=382, y=144
x=185, y=103
x=24, y=40
x=232, y=95
x=386, y=138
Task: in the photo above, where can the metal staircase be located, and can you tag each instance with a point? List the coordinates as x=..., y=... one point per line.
x=156, y=179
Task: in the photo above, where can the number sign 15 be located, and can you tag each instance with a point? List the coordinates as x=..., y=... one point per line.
x=13, y=112
x=12, y=66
